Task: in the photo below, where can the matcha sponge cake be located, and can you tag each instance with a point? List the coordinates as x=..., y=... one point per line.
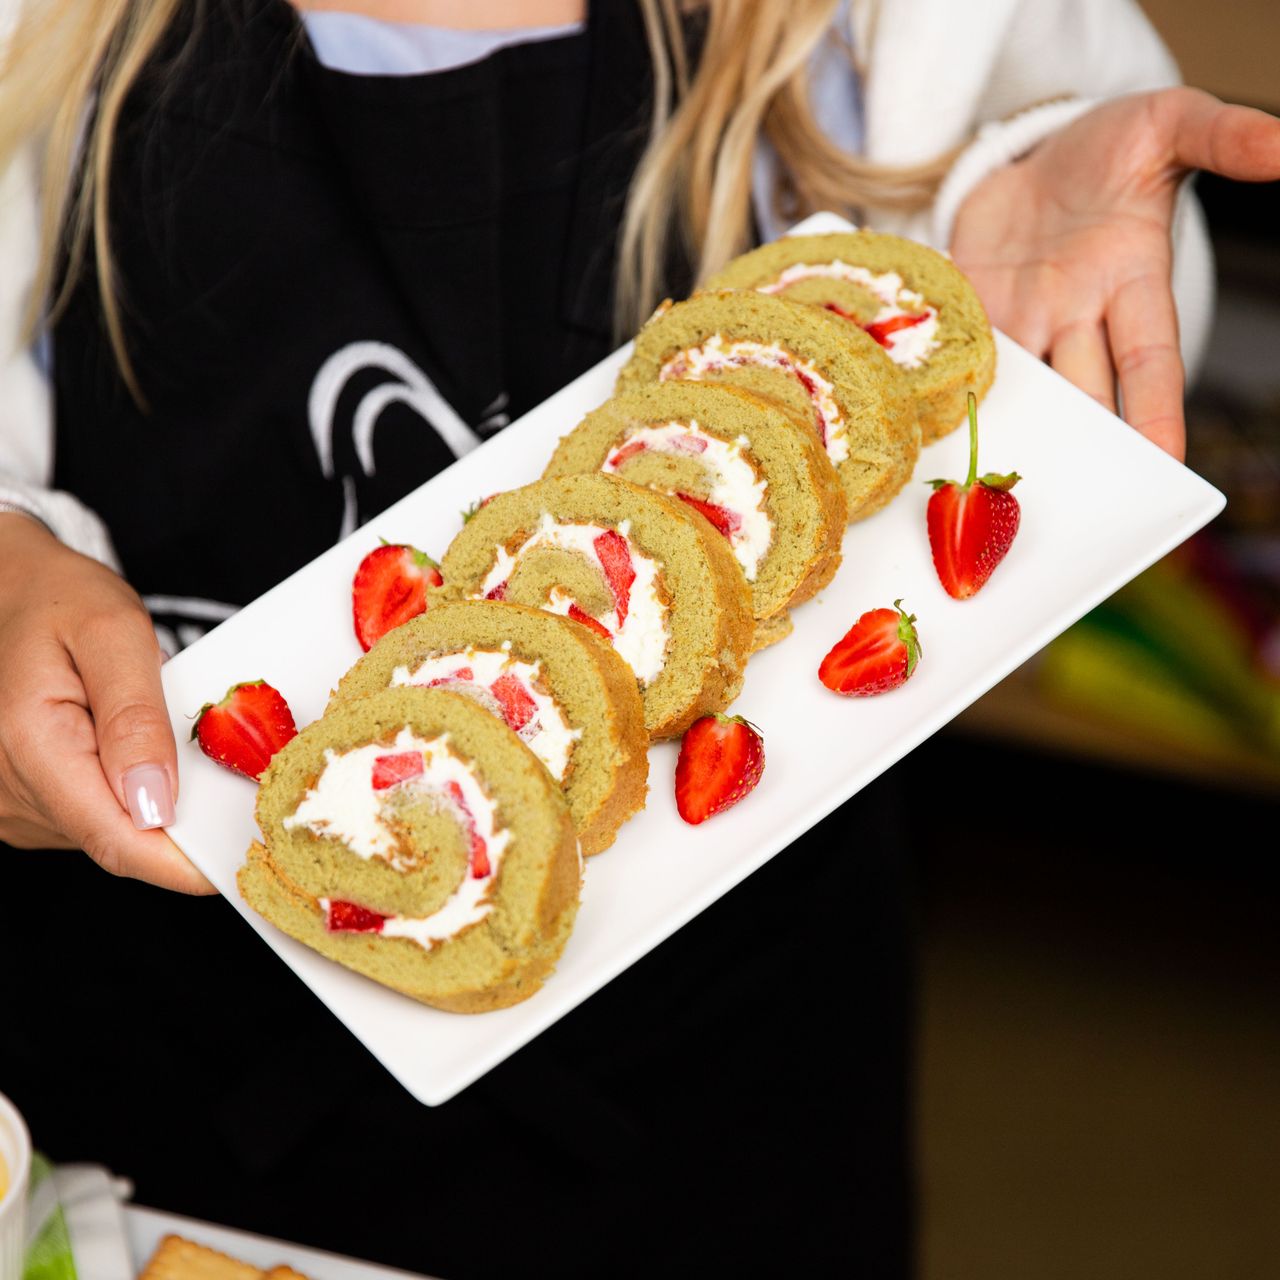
x=645, y=572
x=825, y=371
x=762, y=479
x=411, y=836
x=562, y=689
x=912, y=300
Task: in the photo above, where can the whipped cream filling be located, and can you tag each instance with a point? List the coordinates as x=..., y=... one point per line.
x=735, y=486
x=910, y=346
x=546, y=732
x=344, y=805
x=716, y=354
x=641, y=636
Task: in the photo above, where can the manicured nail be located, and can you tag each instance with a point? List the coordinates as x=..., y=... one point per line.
x=146, y=790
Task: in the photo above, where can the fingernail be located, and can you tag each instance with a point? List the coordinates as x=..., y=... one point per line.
x=147, y=793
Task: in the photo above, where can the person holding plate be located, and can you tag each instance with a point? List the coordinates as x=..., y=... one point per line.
x=220, y=226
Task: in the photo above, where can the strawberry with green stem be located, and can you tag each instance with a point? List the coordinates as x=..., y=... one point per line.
x=971, y=525
x=245, y=729
x=878, y=653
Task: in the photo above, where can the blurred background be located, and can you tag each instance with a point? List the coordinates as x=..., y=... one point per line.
x=1099, y=1034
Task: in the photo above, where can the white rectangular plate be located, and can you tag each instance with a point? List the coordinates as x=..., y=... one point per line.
x=1099, y=505
x=147, y=1227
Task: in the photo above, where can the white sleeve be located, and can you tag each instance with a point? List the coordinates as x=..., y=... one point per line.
x=1039, y=65
x=26, y=409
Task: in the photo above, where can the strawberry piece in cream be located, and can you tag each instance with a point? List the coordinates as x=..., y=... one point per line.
x=478, y=853
x=578, y=614
x=507, y=687
x=637, y=624
x=906, y=326
x=717, y=354
x=728, y=522
x=735, y=498
x=347, y=917
x=463, y=675
x=628, y=450
x=881, y=329
x=518, y=708
x=391, y=771
x=615, y=559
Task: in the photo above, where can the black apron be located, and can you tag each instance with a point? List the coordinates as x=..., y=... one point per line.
x=734, y=1103
x=298, y=247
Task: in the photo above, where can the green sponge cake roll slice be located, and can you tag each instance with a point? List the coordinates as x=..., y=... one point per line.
x=760, y=477
x=562, y=689
x=912, y=300
x=645, y=572
x=412, y=837
x=826, y=372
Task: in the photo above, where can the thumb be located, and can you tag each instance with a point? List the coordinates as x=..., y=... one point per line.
x=119, y=665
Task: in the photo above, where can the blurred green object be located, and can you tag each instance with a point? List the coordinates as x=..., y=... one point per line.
x=49, y=1253
x=1166, y=656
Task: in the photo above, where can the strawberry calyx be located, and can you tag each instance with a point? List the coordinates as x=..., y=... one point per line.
x=992, y=480
x=908, y=635
x=420, y=558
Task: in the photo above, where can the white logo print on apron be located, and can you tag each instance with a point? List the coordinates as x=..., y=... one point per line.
x=411, y=387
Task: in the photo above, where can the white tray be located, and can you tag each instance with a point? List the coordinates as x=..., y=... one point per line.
x=1099, y=505
x=147, y=1227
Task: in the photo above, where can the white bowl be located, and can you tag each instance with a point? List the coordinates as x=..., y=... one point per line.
x=15, y=1150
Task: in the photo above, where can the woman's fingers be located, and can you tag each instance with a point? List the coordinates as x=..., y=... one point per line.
x=1142, y=326
x=1080, y=353
x=69, y=779
x=55, y=754
x=1236, y=142
x=118, y=660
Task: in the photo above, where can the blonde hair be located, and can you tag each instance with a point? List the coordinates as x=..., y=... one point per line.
x=69, y=60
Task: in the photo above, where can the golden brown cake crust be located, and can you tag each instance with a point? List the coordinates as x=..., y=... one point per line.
x=496, y=961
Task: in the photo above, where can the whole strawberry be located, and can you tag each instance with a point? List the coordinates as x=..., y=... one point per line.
x=721, y=759
x=875, y=655
x=390, y=587
x=246, y=728
x=971, y=526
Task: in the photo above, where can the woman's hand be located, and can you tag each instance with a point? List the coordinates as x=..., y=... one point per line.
x=80, y=707
x=1069, y=248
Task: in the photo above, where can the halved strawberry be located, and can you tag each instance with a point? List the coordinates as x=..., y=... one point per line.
x=582, y=616
x=619, y=572
x=881, y=329
x=726, y=521
x=518, y=708
x=497, y=593
x=721, y=760
x=876, y=654
x=347, y=917
x=973, y=525
x=479, y=851
x=390, y=587
x=246, y=728
x=391, y=771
